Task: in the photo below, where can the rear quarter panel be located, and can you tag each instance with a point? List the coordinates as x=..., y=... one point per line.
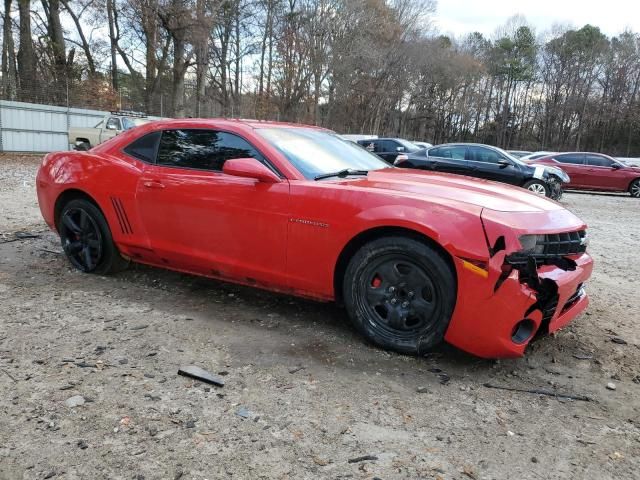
x=110, y=180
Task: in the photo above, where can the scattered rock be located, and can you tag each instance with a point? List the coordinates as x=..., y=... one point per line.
x=611, y=386
x=83, y=444
x=190, y=424
x=74, y=401
x=138, y=327
x=534, y=459
x=618, y=340
x=422, y=390
x=123, y=361
x=85, y=365
x=296, y=369
x=243, y=412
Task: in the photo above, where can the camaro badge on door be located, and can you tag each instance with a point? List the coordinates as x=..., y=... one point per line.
x=309, y=222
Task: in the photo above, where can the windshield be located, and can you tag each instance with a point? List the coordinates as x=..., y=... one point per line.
x=316, y=152
x=133, y=122
x=408, y=146
x=511, y=157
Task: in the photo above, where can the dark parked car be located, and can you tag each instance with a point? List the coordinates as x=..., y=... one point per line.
x=491, y=163
x=595, y=171
x=389, y=148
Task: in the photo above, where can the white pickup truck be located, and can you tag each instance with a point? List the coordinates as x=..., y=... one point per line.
x=110, y=126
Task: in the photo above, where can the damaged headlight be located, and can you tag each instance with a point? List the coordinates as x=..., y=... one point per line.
x=558, y=172
x=532, y=244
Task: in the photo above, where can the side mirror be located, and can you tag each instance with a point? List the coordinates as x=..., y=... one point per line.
x=504, y=163
x=249, y=168
x=616, y=166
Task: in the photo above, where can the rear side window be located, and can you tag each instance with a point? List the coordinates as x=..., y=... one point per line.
x=145, y=147
x=598, y=161
x=574, y=158
x=202, y=149
x=455, y=153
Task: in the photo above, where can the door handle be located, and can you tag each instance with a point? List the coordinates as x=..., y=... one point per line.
x=153, y=184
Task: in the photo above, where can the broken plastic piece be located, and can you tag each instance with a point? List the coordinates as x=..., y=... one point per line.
x=198, y=373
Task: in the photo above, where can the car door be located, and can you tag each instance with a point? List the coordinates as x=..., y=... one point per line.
x=604, y=173
x=573, y=164
x=202, y=220
x=449, y=159
x=111, y=129
x=491, y=164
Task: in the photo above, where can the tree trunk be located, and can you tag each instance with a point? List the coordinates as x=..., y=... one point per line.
x=112, y=41
x=9, y=75
x=26, y=55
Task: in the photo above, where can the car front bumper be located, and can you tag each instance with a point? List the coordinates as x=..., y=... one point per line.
x=490, y=309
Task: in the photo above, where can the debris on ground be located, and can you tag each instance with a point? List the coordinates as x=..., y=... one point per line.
x=364, y=458
x=538, y=391
x=198, y=373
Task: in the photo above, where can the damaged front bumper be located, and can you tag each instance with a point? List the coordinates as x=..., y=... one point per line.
x=503, y=304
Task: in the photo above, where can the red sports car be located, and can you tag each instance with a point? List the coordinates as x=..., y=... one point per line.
x=595, y=171
x=416, y=257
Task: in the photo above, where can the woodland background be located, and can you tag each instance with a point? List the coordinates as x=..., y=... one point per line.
x=355, y=66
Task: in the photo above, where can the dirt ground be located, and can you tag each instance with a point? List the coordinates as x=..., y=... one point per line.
x=305, y=397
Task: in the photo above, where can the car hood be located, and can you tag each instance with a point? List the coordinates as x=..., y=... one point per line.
x=451, y=189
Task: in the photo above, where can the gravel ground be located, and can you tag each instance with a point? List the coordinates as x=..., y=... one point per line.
x=88, y=375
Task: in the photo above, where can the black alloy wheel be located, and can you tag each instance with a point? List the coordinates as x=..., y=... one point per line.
x=81, y=239
x=86, y=239
x=400, y=294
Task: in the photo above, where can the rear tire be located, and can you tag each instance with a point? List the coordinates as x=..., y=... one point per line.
x=538, y=187
x=634, y=188
x=86, y=239
x=400, y=294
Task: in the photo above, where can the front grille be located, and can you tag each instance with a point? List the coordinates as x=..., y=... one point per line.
x=553, y=246
x=561, y=244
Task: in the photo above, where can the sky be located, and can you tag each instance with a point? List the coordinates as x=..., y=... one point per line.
x=459, y=17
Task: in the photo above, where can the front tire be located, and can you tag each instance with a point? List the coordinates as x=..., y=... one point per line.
x=86, y=239
x=400, y=294
x=83, y=146
x=634, y=188
x=537, y=187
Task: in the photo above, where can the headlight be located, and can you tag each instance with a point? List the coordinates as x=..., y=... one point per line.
x=558, y=172
x=530, y=243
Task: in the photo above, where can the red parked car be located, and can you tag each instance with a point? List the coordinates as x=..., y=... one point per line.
x=595, y=171
x=416, y=257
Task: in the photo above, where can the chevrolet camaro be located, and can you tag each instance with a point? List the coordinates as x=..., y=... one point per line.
x=415, y=257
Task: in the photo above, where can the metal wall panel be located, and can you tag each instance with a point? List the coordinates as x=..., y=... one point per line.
x=29, y=127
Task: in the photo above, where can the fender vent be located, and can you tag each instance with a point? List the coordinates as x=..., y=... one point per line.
x=121, y=213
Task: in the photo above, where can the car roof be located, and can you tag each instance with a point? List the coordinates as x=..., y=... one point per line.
x=221, y=122
x=464, y=144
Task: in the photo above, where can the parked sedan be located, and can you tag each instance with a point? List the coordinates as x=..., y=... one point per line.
x=519, y=153
x=415, y=257
x=491, y=163
x=389, y=148
x=596, y=171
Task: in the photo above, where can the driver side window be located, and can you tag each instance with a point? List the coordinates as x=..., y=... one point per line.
x=485, y=155
x=598, y=161
x=202, y=149
x=113, y=123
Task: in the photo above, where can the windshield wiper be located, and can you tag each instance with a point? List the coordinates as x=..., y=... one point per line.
x=341, y=173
